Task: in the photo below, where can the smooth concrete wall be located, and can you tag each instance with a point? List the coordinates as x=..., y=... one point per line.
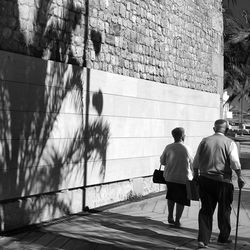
x=41, y=103
x=65, y=129
x=140, y=115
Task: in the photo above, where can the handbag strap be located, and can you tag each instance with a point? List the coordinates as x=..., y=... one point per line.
x=160, y=167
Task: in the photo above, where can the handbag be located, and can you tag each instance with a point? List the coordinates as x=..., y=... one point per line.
x=158, y=176
x=192, y=190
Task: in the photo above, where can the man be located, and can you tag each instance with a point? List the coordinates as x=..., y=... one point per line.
x=177, y=160
x=216, y=157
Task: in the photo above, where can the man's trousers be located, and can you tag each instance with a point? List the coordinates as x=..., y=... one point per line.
x=212, y=193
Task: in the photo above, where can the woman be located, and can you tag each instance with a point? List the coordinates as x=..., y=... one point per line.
x=177, y=160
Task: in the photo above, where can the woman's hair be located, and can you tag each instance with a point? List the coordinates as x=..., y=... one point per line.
x=178, y=133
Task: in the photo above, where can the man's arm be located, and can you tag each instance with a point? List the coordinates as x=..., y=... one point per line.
x=196, y=163
x=163, y=158
x=235, y=163
x=190, y=156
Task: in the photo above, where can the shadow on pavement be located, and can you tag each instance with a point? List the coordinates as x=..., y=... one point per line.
x=105, y=230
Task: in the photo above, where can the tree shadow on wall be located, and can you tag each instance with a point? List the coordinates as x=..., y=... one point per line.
x=96, y=38
x=43, y=137
x=46, y=32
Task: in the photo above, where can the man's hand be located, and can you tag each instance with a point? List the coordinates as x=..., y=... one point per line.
x=196, y=175
x=241, y=182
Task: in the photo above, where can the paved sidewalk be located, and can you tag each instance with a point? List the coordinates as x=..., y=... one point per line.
x=133, y=225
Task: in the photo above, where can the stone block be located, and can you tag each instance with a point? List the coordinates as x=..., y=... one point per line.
x=110, y=39
x=217, y=21
x=218, y=64
x=7, y=32
x=123, y=10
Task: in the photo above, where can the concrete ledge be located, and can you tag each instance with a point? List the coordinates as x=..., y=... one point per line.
x=47, y=207
x=102, y=195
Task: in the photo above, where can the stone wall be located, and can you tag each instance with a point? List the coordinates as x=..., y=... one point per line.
x=85, y=114
x=170, y=41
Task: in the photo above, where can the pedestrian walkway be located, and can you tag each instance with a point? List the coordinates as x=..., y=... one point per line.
x=139, y=224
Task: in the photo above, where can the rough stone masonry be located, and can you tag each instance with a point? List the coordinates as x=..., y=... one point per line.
x=167, y=41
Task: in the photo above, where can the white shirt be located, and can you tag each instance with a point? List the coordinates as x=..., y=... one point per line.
x=177, y=159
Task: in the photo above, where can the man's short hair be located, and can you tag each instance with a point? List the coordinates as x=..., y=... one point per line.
x=221, y=125
x=178, y=133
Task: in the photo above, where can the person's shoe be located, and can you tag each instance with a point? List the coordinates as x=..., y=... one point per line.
x=224, y=242
x=171, y=221
x=177, y=224
x=201, y=245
